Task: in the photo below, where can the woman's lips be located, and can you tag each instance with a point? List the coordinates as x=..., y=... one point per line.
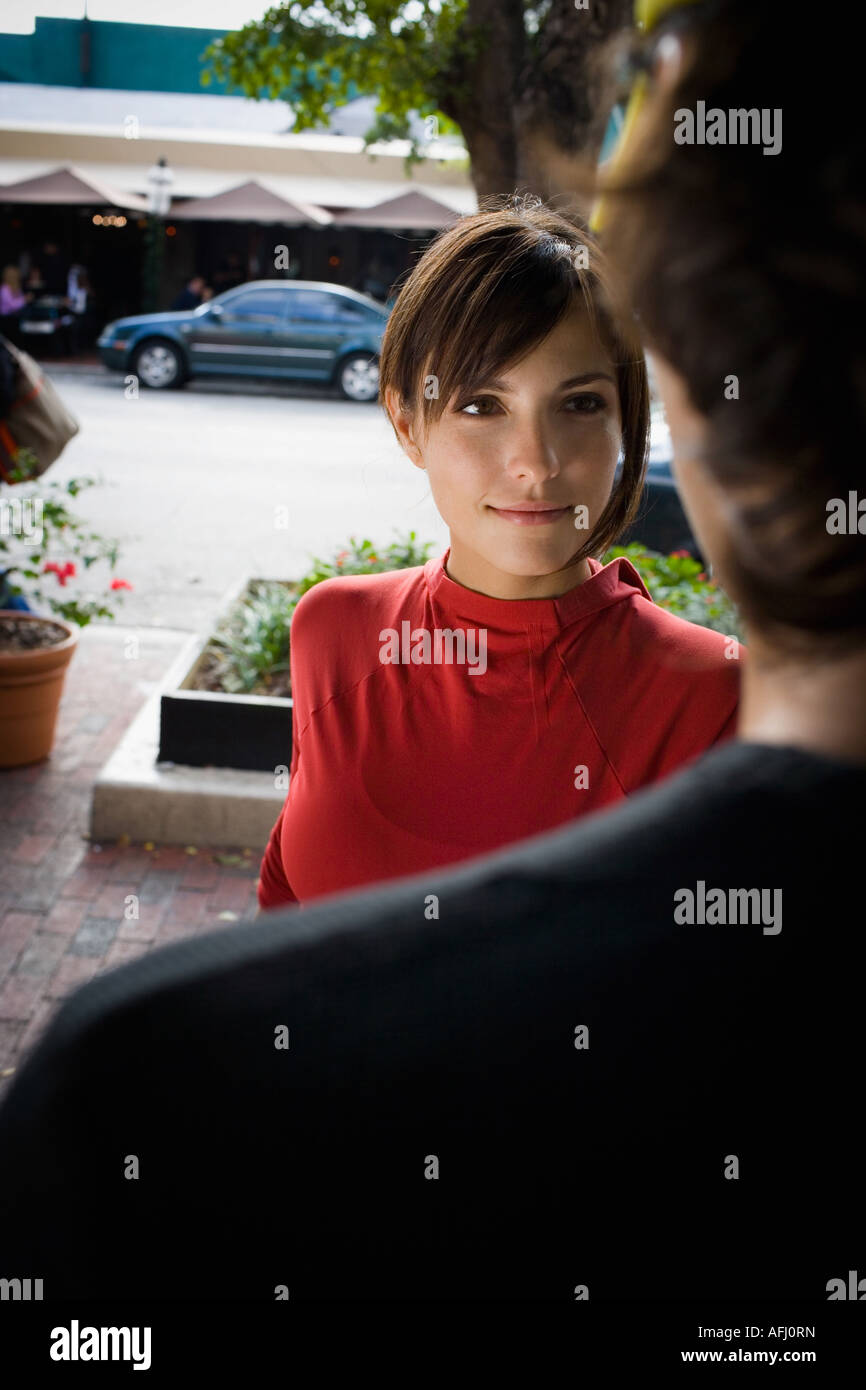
x=532, y=515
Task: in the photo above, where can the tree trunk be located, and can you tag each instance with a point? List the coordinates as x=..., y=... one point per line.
x=533, y=108
x=480, y=88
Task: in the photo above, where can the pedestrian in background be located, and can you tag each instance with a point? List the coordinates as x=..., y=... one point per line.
x=79, y=295
x=191, y=295
x=12, y=300
x=53, y=269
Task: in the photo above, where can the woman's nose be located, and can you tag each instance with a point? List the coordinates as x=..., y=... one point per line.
x=532, y=455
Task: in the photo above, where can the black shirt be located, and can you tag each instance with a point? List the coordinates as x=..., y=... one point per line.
x=187, y=299
x=437, y=1126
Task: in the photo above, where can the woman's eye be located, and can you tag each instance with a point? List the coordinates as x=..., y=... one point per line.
x=471, y=407
x=587, y=403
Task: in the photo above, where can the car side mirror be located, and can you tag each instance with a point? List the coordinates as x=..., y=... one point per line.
x=217, y=310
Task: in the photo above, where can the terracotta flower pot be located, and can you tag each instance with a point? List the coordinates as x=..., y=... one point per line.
x=31, y=683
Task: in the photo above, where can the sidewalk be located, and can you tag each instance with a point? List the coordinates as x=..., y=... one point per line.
x=88, y=361
x=64, y=909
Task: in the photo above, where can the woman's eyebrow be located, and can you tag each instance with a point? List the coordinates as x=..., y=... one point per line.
x=586, y=377
x=497, y=384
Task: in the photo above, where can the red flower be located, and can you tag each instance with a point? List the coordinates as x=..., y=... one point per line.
x=680, y=555
x=120, y=584
x=702, y=575
x=67, y=571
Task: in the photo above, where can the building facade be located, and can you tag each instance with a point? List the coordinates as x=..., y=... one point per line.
x=108, y=101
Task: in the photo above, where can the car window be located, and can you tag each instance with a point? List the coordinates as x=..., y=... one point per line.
x=255, y=306
x=351, y=312
x=314, y=306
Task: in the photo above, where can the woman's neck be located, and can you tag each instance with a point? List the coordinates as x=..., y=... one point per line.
x=476, y=573
x=817, y=706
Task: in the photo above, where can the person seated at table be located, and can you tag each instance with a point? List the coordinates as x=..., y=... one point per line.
x=12, y=301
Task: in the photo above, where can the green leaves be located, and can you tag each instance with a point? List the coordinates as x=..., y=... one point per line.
x=53, y=533
x=362, y=557
x=319, y=56
x=255, y=640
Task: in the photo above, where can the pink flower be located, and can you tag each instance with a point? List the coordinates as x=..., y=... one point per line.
x=679, y=554
x=120, y=584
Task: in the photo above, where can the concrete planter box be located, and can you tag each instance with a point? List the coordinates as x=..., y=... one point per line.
x=202, y=728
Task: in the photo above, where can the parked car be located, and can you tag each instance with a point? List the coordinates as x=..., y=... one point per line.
x=661, y=523
x=298, y=330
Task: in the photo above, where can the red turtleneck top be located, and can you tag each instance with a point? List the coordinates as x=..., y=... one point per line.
x=432, y=723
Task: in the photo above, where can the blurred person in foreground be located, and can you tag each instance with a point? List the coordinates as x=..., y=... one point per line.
x=619, y=1060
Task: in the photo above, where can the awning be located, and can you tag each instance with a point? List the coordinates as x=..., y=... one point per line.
x=251, y=202
x=68, y=185
x=412, y=210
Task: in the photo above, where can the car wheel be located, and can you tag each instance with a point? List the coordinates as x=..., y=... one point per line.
x=358, y=377
x=159, y=365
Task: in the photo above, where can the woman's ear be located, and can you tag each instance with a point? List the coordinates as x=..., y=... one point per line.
x=402, y=423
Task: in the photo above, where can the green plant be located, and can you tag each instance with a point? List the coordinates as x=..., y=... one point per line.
x=254, y=642
x=678, y=582
x=362, y=557
x=40, y=535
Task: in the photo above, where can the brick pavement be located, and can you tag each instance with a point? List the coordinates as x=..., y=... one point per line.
x=70, y=908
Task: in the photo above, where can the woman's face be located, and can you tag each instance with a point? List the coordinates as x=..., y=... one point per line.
x=511, y=461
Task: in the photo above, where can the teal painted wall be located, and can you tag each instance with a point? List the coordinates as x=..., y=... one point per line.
x=123, y=57
x=126, y=57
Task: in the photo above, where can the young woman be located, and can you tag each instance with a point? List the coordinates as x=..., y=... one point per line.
x=513, y=683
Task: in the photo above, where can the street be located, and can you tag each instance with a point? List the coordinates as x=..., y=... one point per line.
x=226, y=479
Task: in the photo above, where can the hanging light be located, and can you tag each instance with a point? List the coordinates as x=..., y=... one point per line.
x=159, y=182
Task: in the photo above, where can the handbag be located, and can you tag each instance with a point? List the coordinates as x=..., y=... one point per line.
x=36, y=419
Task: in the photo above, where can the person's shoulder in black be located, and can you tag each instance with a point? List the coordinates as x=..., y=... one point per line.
x=546, y=1069
x=185, y=300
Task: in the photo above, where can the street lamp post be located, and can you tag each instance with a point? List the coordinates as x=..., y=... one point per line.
x=159, y=182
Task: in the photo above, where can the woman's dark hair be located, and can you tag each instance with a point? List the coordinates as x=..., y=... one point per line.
x=752, y=266
x=483, y=295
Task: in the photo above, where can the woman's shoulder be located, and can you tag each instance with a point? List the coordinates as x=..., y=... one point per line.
x=361, y=599
x=687, y=662
x=661, y=626
x=336, y=627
